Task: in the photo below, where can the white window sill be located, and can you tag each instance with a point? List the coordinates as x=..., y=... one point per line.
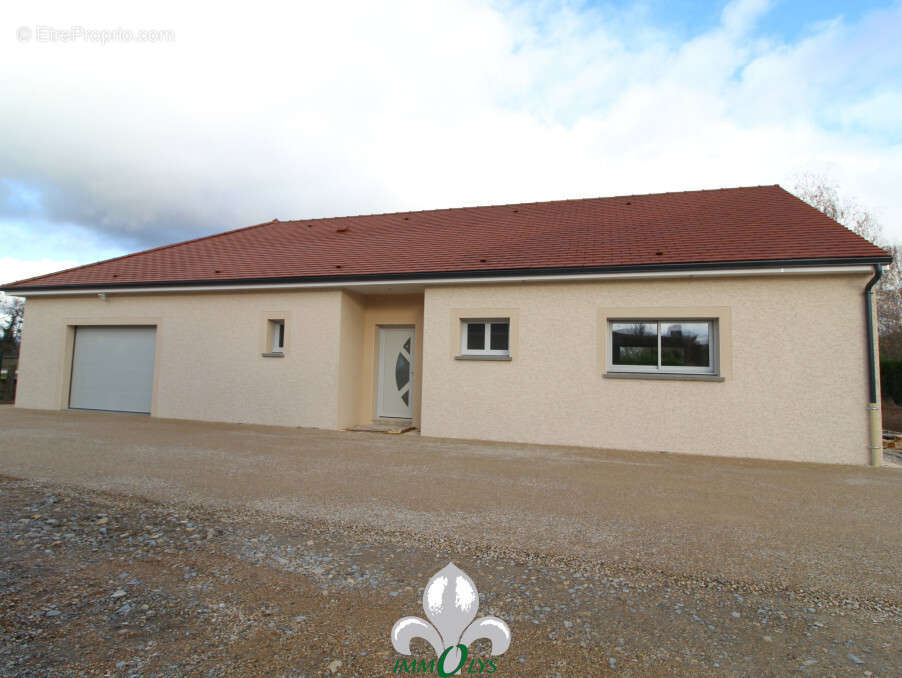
x=482, y=356
x=666, y=376
x=273, y=354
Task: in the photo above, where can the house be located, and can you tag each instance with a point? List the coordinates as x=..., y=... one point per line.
x=733, y=322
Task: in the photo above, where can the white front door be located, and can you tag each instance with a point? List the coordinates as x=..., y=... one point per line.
x=395, y=398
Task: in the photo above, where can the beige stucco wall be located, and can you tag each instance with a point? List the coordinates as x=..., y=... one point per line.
x=794, y=367
x=792, y=356
x=350, y=359
x=208, y=363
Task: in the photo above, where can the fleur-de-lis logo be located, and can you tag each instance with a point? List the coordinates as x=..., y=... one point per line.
x=450, y=602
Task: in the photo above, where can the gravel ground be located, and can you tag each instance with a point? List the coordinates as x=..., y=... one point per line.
x=101, y=584
x=120, y=557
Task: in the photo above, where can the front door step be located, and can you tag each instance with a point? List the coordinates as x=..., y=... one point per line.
x=383, y=428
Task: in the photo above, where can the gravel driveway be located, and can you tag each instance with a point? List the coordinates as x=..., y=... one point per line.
x=305, y=546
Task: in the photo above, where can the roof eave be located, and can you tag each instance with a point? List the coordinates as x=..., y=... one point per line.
x=468, y=275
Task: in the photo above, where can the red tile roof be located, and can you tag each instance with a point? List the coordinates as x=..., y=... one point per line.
x=760, y=224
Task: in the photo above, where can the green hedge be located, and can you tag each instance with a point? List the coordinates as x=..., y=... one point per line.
x=891, y=379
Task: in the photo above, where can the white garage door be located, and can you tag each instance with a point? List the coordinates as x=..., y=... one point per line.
x=112, y=368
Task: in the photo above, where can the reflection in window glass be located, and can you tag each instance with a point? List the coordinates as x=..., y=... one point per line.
x=685, y=344
x=634, y=343
x=475, y=337
x=499, y=336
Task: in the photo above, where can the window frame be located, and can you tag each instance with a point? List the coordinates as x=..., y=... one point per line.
x=277, y=333
x=486, y=337
x=713, y=368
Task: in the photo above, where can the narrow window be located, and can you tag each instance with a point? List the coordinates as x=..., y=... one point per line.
x=486, y=336
x=277, y=335
x=666, y=346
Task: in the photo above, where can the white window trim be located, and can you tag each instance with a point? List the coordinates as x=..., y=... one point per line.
x=275, y=327
x=713, y=348
x=486, y=323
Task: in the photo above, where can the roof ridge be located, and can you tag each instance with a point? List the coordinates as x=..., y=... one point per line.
x=523, y=204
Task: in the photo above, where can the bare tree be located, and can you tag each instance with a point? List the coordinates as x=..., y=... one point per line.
x=822, y=194
x=12, y=310
x=818, y=192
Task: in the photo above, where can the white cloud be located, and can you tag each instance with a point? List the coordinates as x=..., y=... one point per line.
x=739, y=17
x=340, y=108
x=13, y=269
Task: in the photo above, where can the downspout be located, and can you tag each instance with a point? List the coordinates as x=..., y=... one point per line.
x=876, y=425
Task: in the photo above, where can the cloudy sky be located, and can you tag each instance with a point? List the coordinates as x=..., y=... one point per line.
x=240, y=114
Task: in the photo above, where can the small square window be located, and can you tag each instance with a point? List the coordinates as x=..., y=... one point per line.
x=486, y=336
x=277, y=336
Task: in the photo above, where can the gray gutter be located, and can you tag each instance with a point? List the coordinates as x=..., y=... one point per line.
x=471, y=275
x=875, y=423
x=869, y=321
